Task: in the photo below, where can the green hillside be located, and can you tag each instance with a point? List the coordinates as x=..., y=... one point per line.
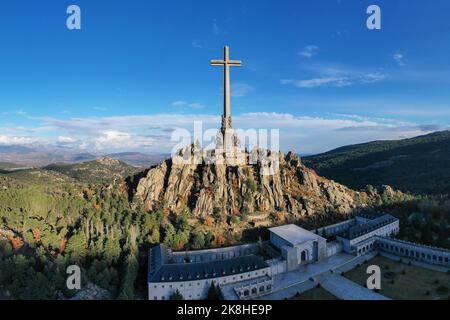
x=103, y=170
x=418, y=165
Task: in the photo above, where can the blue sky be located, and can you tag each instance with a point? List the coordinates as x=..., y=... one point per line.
x=138, y=69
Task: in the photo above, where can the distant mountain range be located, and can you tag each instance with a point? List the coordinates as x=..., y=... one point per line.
x=418, y=165
x=17, y=156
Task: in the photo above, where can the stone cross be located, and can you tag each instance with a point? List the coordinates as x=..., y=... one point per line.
x=226, y=63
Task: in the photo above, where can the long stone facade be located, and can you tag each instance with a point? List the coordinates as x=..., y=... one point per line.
x=413, y=251
x=248, y=271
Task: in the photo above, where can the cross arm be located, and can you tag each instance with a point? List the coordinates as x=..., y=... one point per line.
x=236, y=63
x=217, y=62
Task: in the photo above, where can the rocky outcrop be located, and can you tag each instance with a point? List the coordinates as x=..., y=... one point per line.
x=204, y=188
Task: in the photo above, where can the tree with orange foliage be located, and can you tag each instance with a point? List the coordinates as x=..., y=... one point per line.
x=220, y=240
x=16, y=243
x=180, y=245
x=166, y=211
x=36, y=234
x=279, y=216
x=62, y=245
x=209, y=221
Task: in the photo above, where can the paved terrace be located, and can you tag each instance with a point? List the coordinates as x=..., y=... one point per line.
x=286, y=285
x=346, y=289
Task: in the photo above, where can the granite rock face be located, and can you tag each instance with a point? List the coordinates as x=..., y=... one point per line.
x=205, y=188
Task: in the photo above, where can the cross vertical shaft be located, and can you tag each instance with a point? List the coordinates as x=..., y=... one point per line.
x=226, y=85
x=226, y=63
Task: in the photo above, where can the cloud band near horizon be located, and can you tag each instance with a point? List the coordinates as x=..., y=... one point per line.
x=152, y=133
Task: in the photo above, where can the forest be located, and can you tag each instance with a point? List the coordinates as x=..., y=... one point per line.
x=48, y=222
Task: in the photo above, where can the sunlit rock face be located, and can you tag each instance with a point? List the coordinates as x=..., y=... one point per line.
x=258, y=184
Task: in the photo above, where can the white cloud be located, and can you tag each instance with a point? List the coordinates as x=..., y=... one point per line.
x=65, y=140
x=179, y=103
x=182, y=103
x=309, y=51
x=216, y=29
x=146, y=133
x=241, y=89
x=15, y=140
x=329, y=77
x=196, y=45
x=399, y=58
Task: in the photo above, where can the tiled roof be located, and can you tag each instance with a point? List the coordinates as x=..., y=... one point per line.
x=372, y=225
x=294, y=234
x=176, y=272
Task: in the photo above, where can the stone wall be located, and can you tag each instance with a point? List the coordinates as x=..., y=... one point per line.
x=419, y=252
x=254, y=288
x=335, y=229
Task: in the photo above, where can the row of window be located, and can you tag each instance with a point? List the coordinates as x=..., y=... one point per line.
x=365, y=249
x=164, y=297
x=254, y=291
x=413, y=254
x=223, y=281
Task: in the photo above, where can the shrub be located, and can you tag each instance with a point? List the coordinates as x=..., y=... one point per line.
x=177, y=296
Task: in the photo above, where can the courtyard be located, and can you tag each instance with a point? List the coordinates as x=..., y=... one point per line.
x=401, y=281
x=317, y=293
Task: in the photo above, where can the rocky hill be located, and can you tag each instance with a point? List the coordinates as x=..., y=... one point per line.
x=418, y=165
x=213, y=189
